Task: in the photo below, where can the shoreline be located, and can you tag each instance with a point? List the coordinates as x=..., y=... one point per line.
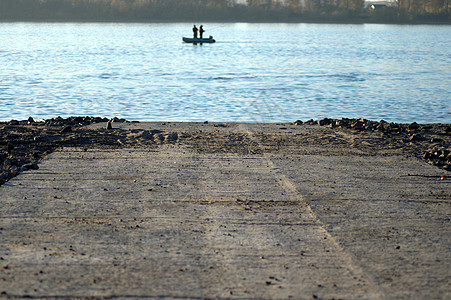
x=25, y=143
x=338, y=22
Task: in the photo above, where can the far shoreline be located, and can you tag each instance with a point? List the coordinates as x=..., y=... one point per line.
x=275, y=21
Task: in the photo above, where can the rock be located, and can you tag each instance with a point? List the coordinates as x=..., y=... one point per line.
x=161, y=137
x=30, y=120
x=427, y=155
x=416, y=137
x=66, y=129
x=324, y=122
x=381, y=126
x=371, y=125
x=437, y=153
x=170, y=137
x=7, y=163
x=5, y=174
x=102, y=120
x=339, y=123
x=117, y=120
x=13, y=122
x=364, y=121
x=395, y=128
x=30, y=166
x=413, y=126
x=14, y=170
x=298, y=122
x=436, y=140
x=357, y=125
x=78, y=119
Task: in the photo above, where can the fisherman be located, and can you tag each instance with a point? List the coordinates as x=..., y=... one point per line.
x=201, y=31
x=195, y=31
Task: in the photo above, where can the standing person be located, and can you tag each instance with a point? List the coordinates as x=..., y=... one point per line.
x=201, y=31
x=195, y=31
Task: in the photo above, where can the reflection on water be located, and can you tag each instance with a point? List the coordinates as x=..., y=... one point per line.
x=254, y=73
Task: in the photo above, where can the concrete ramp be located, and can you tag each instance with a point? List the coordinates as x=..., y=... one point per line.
x=173, y=223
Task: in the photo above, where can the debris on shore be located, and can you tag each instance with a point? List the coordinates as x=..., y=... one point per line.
x=432, y=142
x=24, y=143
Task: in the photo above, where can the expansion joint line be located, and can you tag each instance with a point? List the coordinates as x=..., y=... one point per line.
x=289, y=187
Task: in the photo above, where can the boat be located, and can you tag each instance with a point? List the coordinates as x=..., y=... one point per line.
x=200, y=41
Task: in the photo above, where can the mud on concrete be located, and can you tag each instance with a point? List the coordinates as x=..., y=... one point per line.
x=24, y=143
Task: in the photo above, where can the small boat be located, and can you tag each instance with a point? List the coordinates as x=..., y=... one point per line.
x=200, y=41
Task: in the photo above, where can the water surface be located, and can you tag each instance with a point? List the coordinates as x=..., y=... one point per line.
x=254, y=73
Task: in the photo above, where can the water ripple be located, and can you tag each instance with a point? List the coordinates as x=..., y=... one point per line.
x=284, y=73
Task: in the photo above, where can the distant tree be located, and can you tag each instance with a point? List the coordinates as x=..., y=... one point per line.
x=353, y=6
x=294, y=5
x=419, y=9
x=248, y=10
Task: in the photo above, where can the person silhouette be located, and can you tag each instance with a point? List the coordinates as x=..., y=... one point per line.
x=201, y=31
x=195, y=31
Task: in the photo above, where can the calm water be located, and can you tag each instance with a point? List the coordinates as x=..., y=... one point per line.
x=254, y=73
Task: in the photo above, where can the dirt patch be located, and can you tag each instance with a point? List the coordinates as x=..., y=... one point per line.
x=24, y=143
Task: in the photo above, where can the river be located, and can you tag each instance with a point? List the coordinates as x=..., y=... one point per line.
x=253, y=73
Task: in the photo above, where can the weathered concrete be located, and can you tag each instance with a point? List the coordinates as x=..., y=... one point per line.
x=170, y=222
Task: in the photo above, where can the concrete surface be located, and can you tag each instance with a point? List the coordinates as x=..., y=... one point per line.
x=170, y=222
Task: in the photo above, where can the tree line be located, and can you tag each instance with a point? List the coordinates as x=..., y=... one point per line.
x=223, y=10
